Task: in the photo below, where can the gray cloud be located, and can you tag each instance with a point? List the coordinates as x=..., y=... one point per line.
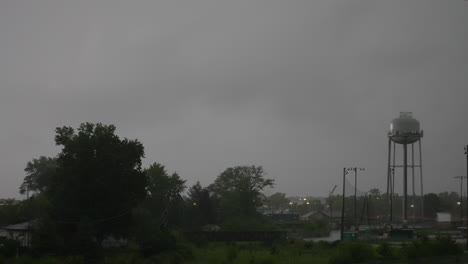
x=300, y=87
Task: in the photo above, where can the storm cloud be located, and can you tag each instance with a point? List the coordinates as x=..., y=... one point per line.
x=302, y=88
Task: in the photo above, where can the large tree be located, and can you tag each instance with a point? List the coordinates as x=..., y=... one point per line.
x=164, y=195
x=39, y=173
x=201, y=206
x=97, y=182
x=240, y=190
x=278, y=201
x=162, y=207
x=432, y=205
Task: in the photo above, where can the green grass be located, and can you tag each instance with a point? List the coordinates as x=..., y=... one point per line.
x=258, y=253
x=423, y=251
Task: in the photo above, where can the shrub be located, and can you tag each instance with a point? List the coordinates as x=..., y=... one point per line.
x=386, y=251
x=9, y=247
x=353, y=253
x=425, y=248
x=446, y=246
x=231, y=253
x=127, y=258
x=318, y=228
x=325, y=245
x=257, y=223
x=309, y=245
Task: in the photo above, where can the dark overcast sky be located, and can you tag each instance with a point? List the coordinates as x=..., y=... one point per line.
x=302, y=88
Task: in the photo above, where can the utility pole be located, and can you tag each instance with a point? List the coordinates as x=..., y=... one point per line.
x=355, y=169
x=343, y=205
x=461, y=197
x=466, y=153
x=331, y=207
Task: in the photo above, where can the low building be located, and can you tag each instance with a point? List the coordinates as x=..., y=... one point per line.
x=21, y=232
x=283, y=218
x=444, y=218
x=321, y=215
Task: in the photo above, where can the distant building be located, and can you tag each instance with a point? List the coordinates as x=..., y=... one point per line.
x=321, y=215
x=112, y=242
x=283, y=218
x=444, y=217
x=21, y=232
x=4, y=202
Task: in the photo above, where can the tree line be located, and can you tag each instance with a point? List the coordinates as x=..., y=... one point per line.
x=96, y=187
x=374, y=204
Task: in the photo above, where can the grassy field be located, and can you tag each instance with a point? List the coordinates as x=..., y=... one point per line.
x=298, y=252
x=293, y=252
x=279, y=252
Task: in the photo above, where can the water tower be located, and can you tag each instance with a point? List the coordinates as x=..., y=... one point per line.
x=404, y=131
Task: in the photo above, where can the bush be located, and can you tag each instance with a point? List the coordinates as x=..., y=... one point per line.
x=353, y=253
x=254, y=223
x=446, y=247
x=127, y=258
x=425, y=248
x=9, y=247
x=231, y=253
x=387, y=252
x=318, y=228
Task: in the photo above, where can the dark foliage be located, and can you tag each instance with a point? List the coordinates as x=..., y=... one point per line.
x=98, y=181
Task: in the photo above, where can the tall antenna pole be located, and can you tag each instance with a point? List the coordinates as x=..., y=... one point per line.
x=461, y=200
x=355, y=200
x=331, y=206
x=466, y=153
x=343, y=206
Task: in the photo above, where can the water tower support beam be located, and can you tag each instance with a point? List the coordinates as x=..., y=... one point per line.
x=413, y=199
x=389, y=182
x=421, y=178
x=393, y=181
x=405, y=184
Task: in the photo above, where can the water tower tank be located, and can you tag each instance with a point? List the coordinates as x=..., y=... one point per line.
x=405, y=129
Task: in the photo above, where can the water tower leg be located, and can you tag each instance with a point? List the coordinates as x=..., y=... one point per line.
x=389, y=181
x=413, y=198
x=405, y=185
x=393, y=182
x=421, y=178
